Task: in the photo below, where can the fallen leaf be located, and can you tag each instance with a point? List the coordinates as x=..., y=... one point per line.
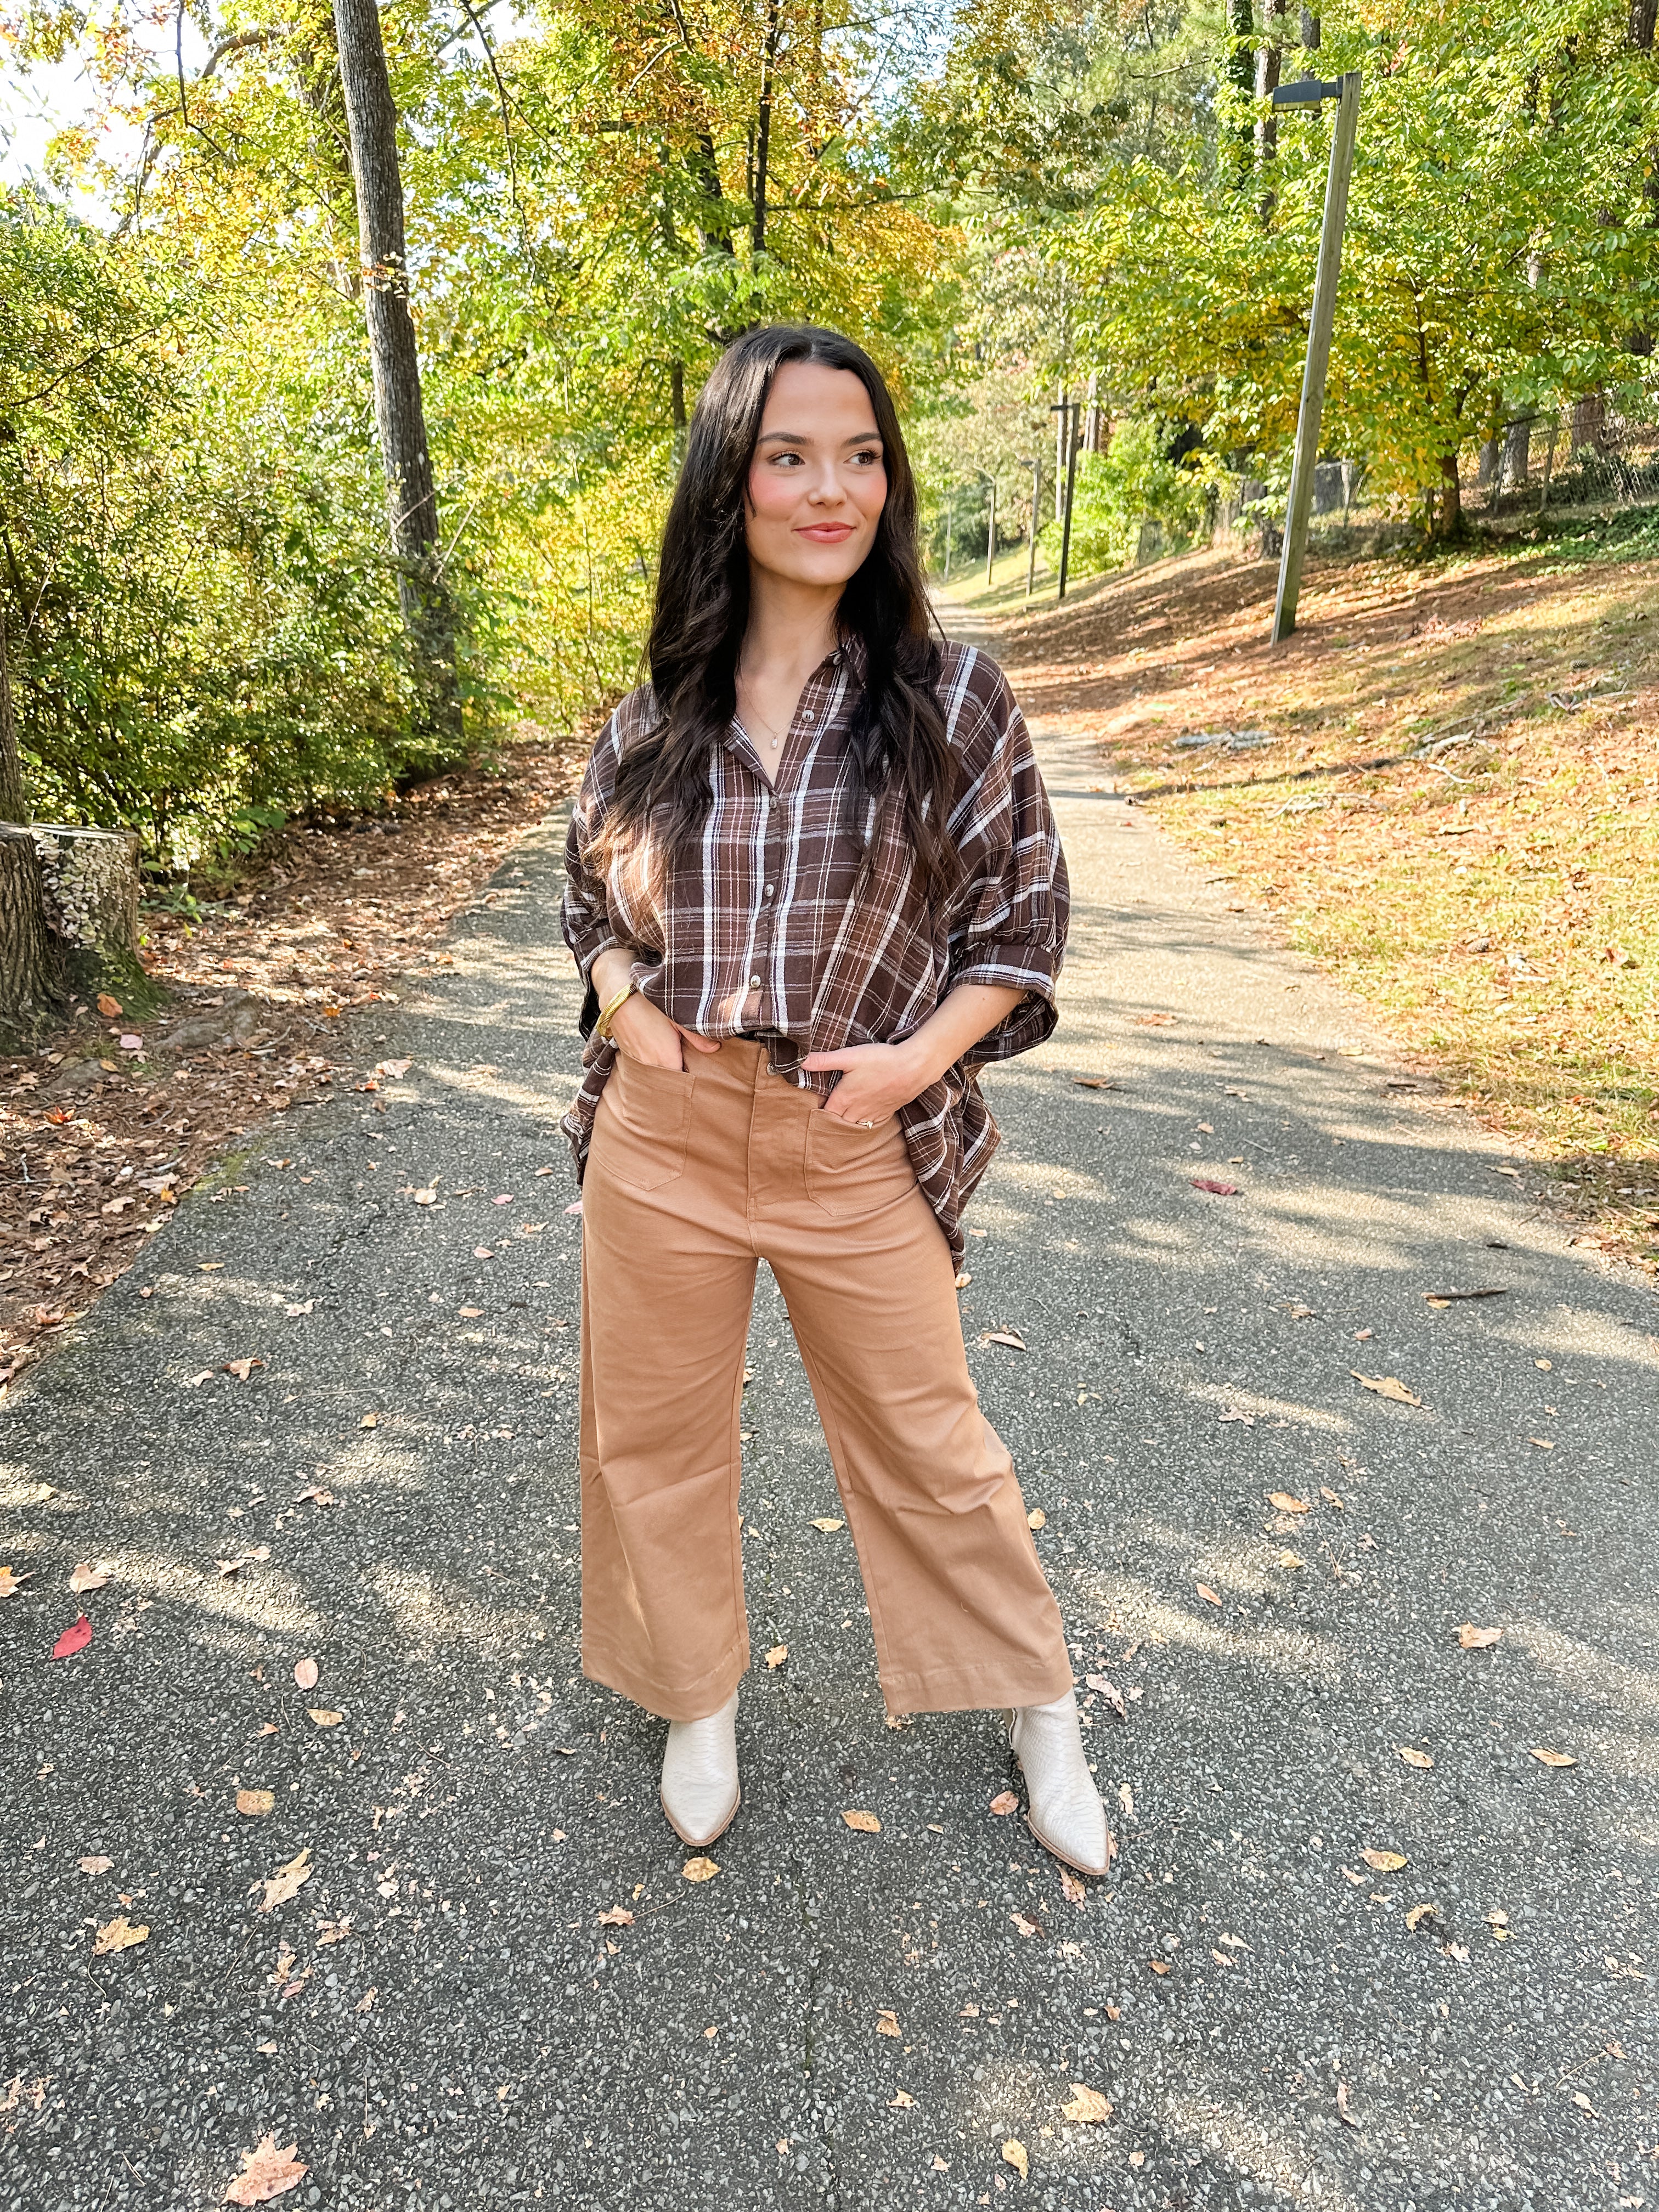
x=366, y=2003
x=424, y=1197
x=1036, y=1518
x=243, y=1368
x=323, y=1716
x=1104, y=1688
x=470, y=1313
x=369, y=1421
x=266, y=2172
x=1554, y=1758
x=287, y=1882
x=1087, y=2105
x=333, y=1931
x=940, y=2164
x=256, y=1803
x=1095, y=1082
x=1418, y=1914
x=94, y=1865
x=76, y=1638
x=1291, y=1559
x=1013, y=2154
x=1419, y=1758
x=1383, y=1862
x=305, y=1674
x=1011, y=1337
x=829, y=1526
x=1386, y=1386
x=776, y=1655
x=1207, y=1594
x=617, y=1917
x=887, y=2023
x=1071, y=1888
x=1452, y=1298
x=1478, y=1639
x=1286, y=1504
x=11, y=1582
x=108, y=1007
x=1330, y=1497
x=89, y=1577
x=119, y=1935
x=866, y=1823
x=397, y=1069
x=1158, y=1966
x=1217, y=1189
x=901, y=2100
x=1343, y=2114
x=483, y=1252
x=1542, y=1442
x=700, y=1869
x=1027, y=1927
x=195, y=1382
x=304, y=1306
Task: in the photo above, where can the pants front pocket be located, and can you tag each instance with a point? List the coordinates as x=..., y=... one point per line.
x=643, y=1123
x=851, y=1171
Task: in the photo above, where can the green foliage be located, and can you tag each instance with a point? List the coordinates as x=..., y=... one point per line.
x=1132, y=483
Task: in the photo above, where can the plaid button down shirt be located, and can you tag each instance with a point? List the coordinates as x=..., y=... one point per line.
x=757, y=930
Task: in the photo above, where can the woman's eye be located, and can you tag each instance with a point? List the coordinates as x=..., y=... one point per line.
x=871, y=458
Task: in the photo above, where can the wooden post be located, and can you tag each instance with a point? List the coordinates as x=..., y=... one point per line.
x=990, y=539
x=1036, y=510
x=1070, y=486
x=25, y=951
x=1319, y=354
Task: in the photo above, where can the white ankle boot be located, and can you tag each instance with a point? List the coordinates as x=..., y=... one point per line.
x=1065, y=1815
x=700, y=1792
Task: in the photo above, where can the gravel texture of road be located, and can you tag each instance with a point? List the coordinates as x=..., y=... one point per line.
x=1380, y=1936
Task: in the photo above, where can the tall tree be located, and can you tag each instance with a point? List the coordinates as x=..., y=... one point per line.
x=412, y=495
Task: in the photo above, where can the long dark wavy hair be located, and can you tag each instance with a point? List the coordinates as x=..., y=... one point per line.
x=898, y=739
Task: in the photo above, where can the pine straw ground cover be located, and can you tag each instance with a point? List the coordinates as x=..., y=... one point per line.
x=1455, y=813
x=255, y=1011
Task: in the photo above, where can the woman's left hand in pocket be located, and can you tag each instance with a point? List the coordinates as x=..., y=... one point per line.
x=876, y=1081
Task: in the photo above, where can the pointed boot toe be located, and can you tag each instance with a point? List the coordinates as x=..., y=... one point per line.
x=700, y=1791
x=1065, y=1815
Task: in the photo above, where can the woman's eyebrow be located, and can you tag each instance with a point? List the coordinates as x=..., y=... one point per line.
x=804, y=438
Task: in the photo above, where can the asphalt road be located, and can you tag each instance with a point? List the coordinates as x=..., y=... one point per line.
x=440, y=2016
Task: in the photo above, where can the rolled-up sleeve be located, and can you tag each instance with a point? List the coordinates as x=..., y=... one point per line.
x=1009, y=917
x=585, y=913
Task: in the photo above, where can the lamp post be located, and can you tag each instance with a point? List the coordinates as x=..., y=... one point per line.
x=1311, y=92
x=1069, y=410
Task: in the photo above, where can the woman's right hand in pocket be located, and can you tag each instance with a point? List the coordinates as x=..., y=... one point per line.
x=642, y=1031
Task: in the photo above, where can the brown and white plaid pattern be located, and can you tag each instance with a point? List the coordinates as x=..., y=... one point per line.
x=758, y=930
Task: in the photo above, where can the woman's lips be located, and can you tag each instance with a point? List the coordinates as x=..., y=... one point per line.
x=827, y=533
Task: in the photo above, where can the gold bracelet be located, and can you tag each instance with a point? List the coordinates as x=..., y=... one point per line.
x=602, y=1027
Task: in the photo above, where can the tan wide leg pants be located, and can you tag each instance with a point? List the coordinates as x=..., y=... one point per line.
x=694, y=1177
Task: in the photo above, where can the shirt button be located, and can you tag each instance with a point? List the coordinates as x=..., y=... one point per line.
x=768, y=890
x=754, y=982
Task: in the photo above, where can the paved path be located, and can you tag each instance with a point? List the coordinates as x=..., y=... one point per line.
x=440, y=2016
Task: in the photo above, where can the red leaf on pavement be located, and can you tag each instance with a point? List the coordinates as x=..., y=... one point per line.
x=73, y=1639
x=1220, y=1190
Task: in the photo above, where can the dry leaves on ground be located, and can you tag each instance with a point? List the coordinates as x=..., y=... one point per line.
x=1104, y=1687
x=1013, y=2154
x=1011, y=1337
x=618, y=1915
x=76, y=1638
x=866, y=1823
x=305, y=1674
x=1554, y=1758
x=254, y=1804
x=901, y=2100
x=828, y=1526
x=1383, y=1862
x=98, y=1865
x=117, y=1934
x=1036, y=1518
x=287, y=1882
x=887, y=2022
x=266, y=2172
x=324, y=1717
x=1004, y=1802
x=776, y=1655
x=1418, y=1914
x=1286, y=1503
x=1387, y=1386
x=1207, y=1594
x=1478, y=1639
x=1087, y=2105
x=11, y=1582
x=1072, y=1889
x=1419, y=1758
x=1027, y=1927
x=699, y=1869
x=89, y=1578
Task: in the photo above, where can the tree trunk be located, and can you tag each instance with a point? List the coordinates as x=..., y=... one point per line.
x=411, y=499
x=1640, y=31
x=763, y=129
x=25, y=954
x=1449, y=518
x=1269, y=59
x=1311, y=30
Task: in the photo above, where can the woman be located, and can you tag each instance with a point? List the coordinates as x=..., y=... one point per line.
x=813, y=882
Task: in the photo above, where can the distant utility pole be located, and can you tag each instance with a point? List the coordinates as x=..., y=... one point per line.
x=1311, y=92
x=1034, y=465
x=950, y=531
x=1068, y=411
x=991, y=533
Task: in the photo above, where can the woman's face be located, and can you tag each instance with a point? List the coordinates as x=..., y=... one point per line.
x=819, y=479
